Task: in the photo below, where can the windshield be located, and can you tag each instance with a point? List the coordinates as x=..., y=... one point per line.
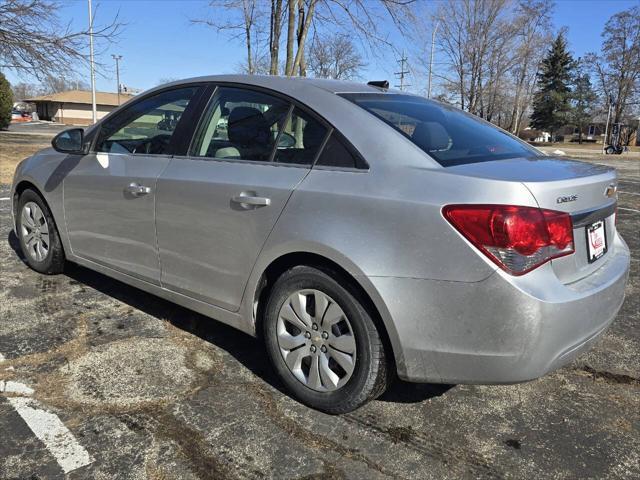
x=447, y=134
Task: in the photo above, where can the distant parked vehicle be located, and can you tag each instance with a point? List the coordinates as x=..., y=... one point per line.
x=18, y=116
x=359, y=232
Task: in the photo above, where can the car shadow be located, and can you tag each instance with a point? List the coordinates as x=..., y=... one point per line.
x=244, y=348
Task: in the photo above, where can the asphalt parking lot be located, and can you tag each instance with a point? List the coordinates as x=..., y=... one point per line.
x=100, y=380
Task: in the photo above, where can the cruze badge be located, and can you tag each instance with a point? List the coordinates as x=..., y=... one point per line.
x=611, y=190
x=568, y=198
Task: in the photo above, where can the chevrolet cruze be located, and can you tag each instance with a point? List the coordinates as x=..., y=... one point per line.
x=360, y=232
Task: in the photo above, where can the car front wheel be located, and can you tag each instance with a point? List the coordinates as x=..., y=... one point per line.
x=38, y=235
x=322, y=342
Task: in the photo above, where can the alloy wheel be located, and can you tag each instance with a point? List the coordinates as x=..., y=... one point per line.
x=316, y=340
x=34, y=231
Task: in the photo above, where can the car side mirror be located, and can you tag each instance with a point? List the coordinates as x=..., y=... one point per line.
x=70, y=141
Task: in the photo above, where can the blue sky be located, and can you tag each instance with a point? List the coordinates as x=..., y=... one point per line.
x=159, y=42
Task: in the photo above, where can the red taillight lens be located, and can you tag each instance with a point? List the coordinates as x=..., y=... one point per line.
x=516, y=238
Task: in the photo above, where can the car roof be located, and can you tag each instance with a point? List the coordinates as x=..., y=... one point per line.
x=280, y=83
x=374, y=139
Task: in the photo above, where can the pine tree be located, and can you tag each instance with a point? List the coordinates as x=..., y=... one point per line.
x=551, y=103
x=583, y=98
x=6, y=102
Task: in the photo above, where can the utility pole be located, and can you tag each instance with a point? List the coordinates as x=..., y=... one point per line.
x=94, y=114
x=117, y=58
x=433, y=43
x=403, y=71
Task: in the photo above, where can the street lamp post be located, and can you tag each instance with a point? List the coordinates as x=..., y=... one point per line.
x=117, y=58
x=94, y=114
x=433, y=42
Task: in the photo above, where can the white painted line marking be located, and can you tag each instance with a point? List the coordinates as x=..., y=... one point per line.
x=5, y=198
x=15, y=387
x=629, y=209
x=69, y=454
x=628, y=193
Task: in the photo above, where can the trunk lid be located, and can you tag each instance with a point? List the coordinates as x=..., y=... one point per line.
x=578, y=188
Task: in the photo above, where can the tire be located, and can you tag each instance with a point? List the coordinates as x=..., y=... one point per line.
x=609, y=150
x=334, y=389
x=34, y=214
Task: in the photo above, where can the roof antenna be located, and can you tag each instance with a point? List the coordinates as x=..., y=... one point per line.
x=383, y=84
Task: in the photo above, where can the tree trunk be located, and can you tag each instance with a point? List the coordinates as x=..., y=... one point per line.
x=249, y=59
x=291, y=27
x=303, y=36
x=274, y=38
x=301, y=21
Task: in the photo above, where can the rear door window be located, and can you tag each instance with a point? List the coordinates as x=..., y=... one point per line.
x=240, y=124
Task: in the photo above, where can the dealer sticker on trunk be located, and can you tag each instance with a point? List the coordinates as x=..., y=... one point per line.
x=596, y=240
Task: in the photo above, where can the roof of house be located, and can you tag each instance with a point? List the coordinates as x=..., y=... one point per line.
x=83, y=96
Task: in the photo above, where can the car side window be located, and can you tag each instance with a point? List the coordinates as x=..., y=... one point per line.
x=300, y=139
x=336, y=154
x=240, y=124
x=146, y=127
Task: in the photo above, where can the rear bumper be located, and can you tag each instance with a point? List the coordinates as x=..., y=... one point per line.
x=503, y=329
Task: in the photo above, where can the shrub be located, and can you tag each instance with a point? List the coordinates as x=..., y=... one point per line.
x=6, y=102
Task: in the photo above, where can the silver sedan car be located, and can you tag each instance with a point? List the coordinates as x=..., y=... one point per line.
x=362, y=233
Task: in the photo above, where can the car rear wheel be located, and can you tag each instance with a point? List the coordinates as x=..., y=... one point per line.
x=38, y=234
x=322, y=342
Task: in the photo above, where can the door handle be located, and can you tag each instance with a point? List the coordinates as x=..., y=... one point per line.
x=137, y=190
x=250, y=199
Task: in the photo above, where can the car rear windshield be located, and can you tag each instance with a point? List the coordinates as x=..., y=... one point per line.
x=447, y=134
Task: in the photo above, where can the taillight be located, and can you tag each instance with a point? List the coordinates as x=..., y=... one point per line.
x=518, y=239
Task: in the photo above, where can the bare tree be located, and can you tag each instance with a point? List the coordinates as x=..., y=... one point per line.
x=532, y=29
x=259, y=65
x=335, y=56
x=491, y=51
x=243, y=21
x=249, y=20
x=53, y=84
x=23, y=90
x=365, y=20
x=617, y=68
x=473, y=37
x=33, y=41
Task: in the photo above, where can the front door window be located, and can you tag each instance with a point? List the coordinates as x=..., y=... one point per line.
x=146, y=127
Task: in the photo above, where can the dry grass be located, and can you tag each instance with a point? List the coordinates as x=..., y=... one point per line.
x=14, y=148
x=583, y=146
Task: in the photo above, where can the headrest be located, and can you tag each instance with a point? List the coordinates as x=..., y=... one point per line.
x=430, y=136
x=247, y=126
